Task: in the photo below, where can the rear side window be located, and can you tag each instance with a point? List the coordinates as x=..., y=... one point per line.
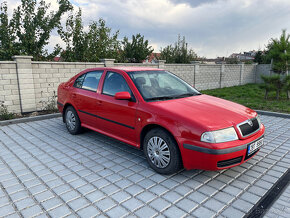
x=79, y=81
x=89, y=81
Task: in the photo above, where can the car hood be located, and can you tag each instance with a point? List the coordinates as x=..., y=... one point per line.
x=211, y=112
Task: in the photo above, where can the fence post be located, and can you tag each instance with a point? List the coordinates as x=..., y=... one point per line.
x=108, y=62
x=195, y=72
x=25, y=83
x=161, y=63
x=221, y=73
x=242, y=69
x=256, y=72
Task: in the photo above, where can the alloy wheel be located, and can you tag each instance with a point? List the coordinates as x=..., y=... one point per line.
x=71, y=120
x=158, y=152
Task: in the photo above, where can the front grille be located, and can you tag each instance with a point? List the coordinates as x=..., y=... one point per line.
x=247, y=129
x=229, y=162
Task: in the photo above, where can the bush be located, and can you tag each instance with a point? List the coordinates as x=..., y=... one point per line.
x=50, y=105
x=267, y=85
x=275, y=83
x=4, y=114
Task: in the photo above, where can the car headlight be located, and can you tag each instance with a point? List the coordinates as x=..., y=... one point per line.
x=218, y=136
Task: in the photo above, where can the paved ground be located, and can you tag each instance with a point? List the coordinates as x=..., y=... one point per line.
x=281, y=207
x=44, y=171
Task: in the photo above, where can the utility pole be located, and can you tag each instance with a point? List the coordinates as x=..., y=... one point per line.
x=285, y=52
x=288, y=91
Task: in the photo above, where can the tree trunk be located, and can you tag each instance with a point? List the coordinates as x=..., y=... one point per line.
x=266, y=94
x=288, y=94
x=277, y=94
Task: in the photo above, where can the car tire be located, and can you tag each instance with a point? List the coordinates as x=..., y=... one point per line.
x=72, y=121
x=162, y=152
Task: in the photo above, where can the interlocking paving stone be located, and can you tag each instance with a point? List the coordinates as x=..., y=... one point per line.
x=146, y=196
x=132, y=204
x=89, y=211
x=197, y=197
x=203, y=212
x=45, y=171
x=60, y=211
x=31, y=211
x=160, y=204
x=146, y=211
x=187, y=205
x=121, y=196
x=214, y=205
x=174, y=211
x=6, y=210
x=25, y=203
x=232, y=212
x=105, y=204
x=78, y=203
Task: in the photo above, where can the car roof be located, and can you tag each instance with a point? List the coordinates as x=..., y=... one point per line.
x=128, y=69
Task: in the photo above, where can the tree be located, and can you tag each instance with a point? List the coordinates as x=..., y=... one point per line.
x=178, y=53
x=137, y=50
x=279, y=51
x=7, y=35
x=29, y=29
x=262, y=58
x=286, y=83
x=96, y=43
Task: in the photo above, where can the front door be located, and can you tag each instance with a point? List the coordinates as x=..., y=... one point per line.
x=117, y=117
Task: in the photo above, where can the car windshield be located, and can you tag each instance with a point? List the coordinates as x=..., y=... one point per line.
x=161, y=85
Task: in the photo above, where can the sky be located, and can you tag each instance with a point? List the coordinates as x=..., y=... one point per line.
x=211, y=27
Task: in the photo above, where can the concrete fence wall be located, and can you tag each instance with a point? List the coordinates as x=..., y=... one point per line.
x=26, y=84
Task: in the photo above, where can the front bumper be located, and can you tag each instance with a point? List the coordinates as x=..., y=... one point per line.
x=206, y=156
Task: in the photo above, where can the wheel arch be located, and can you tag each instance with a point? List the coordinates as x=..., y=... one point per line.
x=64, y=109
x=151, y=126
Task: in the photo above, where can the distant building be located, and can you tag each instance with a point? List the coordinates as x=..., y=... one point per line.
x=246, y=56
x=152, y=58
x=218, y=60
x=56, y=59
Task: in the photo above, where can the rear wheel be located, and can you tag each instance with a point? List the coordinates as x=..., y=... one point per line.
x=162, y=152
x=72, y=121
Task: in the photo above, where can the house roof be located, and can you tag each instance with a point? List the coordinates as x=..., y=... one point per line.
x=152, y=56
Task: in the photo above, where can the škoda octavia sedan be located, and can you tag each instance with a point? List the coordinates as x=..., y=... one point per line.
x=154, y=110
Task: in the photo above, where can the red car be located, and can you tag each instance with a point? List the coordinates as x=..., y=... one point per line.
x=154, y=110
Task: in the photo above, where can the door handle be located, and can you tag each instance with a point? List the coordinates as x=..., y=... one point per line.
x=74, y=95
x=99, y=102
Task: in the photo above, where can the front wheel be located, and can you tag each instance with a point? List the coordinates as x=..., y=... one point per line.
x=162, y=152
x=72, y=121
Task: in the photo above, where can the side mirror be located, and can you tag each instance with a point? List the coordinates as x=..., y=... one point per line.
x=123, y=96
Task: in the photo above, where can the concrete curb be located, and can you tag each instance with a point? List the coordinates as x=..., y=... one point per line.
x=29, y=119
x=274, y=114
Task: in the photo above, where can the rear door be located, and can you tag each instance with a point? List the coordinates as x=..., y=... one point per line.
x=117, y=117
x=85, y=96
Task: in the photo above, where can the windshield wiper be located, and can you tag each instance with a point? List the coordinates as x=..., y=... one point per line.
x=186, y=95
x=160, y=98
x=173, y=96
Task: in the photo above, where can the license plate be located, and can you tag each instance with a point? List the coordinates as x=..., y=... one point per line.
x=255, y=145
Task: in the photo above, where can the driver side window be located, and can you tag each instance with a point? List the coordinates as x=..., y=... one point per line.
x=114, y=83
